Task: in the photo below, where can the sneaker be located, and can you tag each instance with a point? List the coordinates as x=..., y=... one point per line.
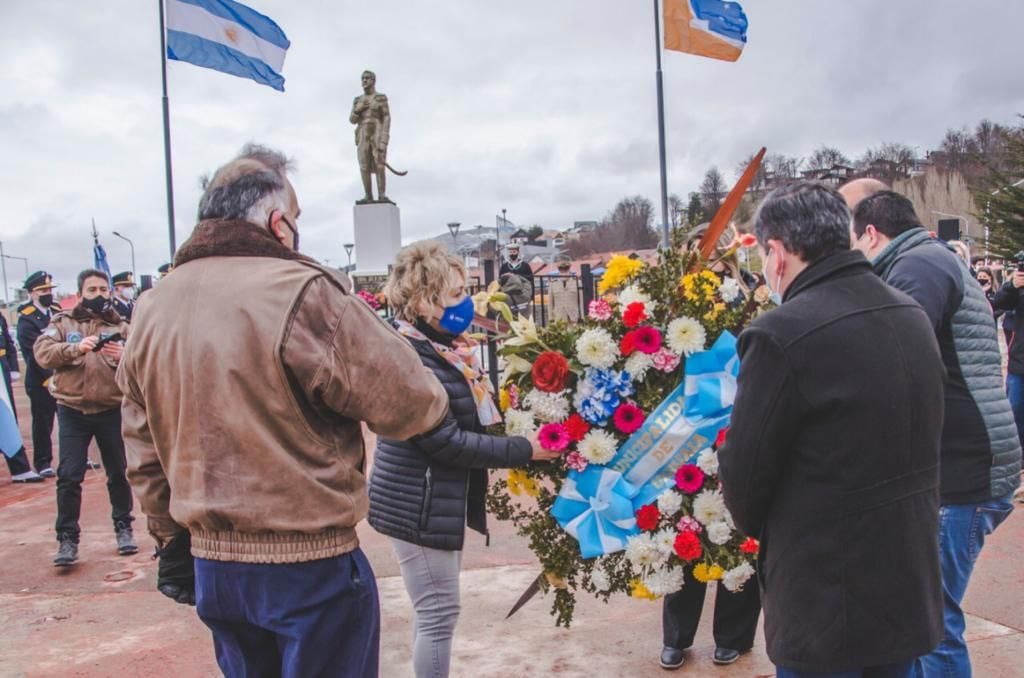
x=725, y=656
x=67, y=553
x=90, y=464
x=126, y=545
x=48, y=473
x=27, y=477
x=671, y=658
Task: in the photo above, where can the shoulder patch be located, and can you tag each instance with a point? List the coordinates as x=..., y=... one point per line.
x=28, y=310
x=73, y=337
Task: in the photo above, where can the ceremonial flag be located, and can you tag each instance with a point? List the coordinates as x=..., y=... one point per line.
x=711, y=28
x=99, y=255
x=227, y=36
x=10, y=436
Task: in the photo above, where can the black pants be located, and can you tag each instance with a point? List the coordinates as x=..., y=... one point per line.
x=43, y=409
x=76, y=432
x=736, y=615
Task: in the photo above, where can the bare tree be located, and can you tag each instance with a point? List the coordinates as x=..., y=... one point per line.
x=782, y=168
x=759, y=185
x=826, y=157
x=712, y=191
x=627, y=226
x=889, y=161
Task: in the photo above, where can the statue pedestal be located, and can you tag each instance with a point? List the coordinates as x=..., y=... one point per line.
x=378, y=237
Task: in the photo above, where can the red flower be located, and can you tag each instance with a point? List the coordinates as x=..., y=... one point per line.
x=577, y=427
x=628, y=418
x=634, y=315
x=689, y=478
x=647, y=518
x=647, y=340
x=550, y=372
x=747, y=240
x=626, y=345
x=688, y=546
x=750, y=546
x=720, y=440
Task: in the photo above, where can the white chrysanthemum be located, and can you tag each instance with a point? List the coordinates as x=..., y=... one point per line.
x=633, y=295
x=665, y=540
x=707, y=461
x=547, y=407
x=709, y=507
x=643, y=553
x=686, y=336
x=598, y=447
x=728, y=520
x=599, y=578
x=519, y=423
x=638, y=364
x=729, y=290
x=734, y=579
x=670, y=502
x=596, y=348
x=719, y=533
x=664, y=581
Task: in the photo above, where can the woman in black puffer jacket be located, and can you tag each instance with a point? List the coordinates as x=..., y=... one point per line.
x=424, y=491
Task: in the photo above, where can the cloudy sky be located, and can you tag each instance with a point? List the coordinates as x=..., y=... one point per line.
x=545, y=108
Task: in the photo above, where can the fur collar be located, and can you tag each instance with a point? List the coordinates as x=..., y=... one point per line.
x=83, y=315
x=231, y=238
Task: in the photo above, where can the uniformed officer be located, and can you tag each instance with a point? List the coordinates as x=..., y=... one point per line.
x=83, y=347
x=18, y=465
x=123, y=300
x=164, y=271
x=33, y=317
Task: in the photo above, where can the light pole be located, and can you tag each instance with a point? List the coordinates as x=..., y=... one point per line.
x=497, y=234
x=24, y=260
x=453, y=228
x=349, y=246
x=132, y=246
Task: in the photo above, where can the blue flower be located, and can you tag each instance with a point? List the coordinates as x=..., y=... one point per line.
x=600, y=393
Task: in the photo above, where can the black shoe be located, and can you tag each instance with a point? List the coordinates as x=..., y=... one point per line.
x=126, y=545
x=725, y=656
x=67, y=553
x=48, y=473
x=671, y=658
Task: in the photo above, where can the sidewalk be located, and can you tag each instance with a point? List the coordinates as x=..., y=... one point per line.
x=104, y=617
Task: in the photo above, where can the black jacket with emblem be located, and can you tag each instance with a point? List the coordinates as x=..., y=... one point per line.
x=31, y=323
x=832, y=461
x=427, y=489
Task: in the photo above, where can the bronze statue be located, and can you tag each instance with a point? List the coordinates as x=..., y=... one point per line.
x=372, y=118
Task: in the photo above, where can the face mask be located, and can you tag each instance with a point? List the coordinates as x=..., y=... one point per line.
x=46, y=300
x=97, y=304
x=127, y=293
x=457, y=319
x=774, y=297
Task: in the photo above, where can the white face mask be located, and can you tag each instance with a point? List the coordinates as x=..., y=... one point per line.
x=126, y=293
x=775, y=297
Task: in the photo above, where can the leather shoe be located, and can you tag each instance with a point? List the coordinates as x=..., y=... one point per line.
x=725, y=656
x=671, y=658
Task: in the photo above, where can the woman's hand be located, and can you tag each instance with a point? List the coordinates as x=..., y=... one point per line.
x=539, y=453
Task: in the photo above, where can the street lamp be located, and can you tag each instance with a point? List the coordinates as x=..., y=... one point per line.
x=132, y=246
x=453, y=228
x=24, y=260
x=349, y=246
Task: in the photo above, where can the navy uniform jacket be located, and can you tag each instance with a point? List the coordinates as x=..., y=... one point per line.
x=31, y=323
x=124, y=309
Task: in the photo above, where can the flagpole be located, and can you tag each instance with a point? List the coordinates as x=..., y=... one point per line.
x=167, y=134
x=661, y=132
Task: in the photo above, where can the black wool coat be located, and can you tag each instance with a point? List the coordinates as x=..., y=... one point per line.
x=832, y=460
x=427, y=489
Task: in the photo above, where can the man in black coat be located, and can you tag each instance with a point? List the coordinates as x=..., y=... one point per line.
x=832, y=459
x=34, y=317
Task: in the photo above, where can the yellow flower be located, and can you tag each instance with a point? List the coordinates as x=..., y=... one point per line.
x=701, y=573
x=618, y=270
x=556, y=581
x=691, y=291
x=515, y=481
x=715, y=311
x=638, y=590
x=504, y=400
x=530, y=487
x=715, y=572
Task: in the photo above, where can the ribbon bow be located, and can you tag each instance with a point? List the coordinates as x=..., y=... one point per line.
x=710, y=385
x=596, y=508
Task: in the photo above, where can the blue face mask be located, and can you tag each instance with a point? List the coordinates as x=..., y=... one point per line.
x=457, y=319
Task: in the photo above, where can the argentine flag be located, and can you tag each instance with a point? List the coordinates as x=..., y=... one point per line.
x=227, y=36
x=10, y=436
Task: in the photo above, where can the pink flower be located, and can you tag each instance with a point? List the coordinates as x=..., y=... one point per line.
x=553, y=437
x=689, y=478
x=369, y=298
x=647, y=339
x=628, y=418
x=665, y=360
x=576, y=461
x=599, y=309
x=689, y=524
x=513, y=396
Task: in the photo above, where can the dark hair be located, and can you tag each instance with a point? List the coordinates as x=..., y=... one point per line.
x=811, y=220
x=889, y=212
x=91, y=273
x=238, y=188
x=987, y=271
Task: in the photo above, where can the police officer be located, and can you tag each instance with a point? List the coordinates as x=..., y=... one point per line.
x=164, y=270
x=83, y=347
x=18, y=465
x=123, y=300
x=33, y=317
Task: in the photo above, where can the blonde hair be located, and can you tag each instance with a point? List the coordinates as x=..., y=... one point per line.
x=423, y=274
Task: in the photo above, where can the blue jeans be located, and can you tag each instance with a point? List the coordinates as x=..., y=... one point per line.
x=317, y=618
x=962, y=532
x=898, y=670
x=1015, y=393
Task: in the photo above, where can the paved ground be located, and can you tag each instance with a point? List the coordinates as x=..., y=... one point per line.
x=104, y=617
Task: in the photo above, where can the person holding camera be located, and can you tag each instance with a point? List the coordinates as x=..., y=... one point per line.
x=83, y=348
x=1009, y=299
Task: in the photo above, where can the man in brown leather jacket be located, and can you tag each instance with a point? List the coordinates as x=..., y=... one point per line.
x=246, y=382
x=83, y=347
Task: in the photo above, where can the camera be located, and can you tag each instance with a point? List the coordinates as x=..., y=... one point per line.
x=1019, y=258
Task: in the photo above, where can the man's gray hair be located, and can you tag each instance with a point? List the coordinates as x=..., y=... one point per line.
x=810, y=219
x=248, y=188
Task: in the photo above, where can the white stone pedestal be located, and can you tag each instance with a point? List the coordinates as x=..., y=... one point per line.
x=378, y=237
